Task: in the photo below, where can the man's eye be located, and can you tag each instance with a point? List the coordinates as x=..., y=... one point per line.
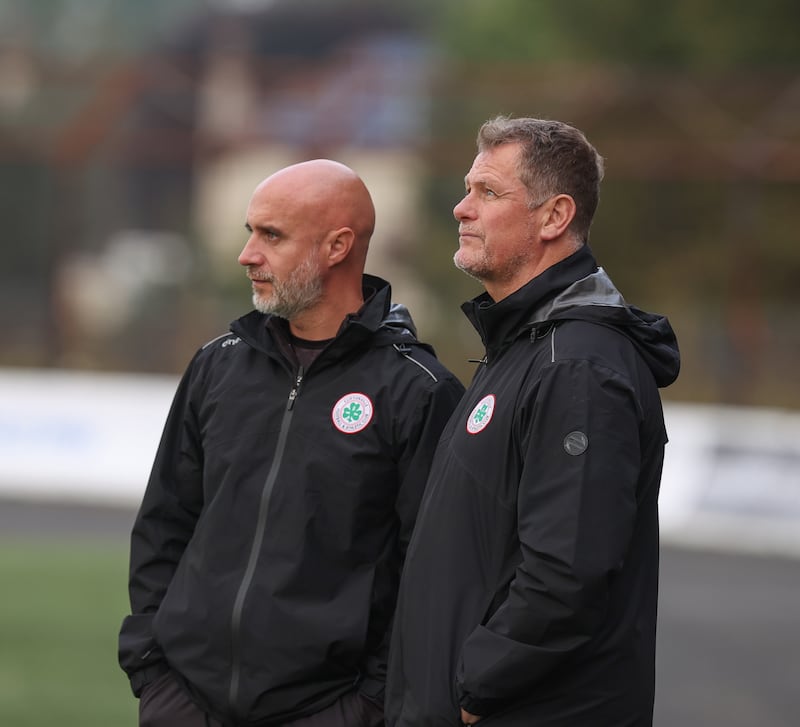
x=490, y=192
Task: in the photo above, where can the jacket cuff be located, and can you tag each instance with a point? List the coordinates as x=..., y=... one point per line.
x=373, y=689
x=141, y=678
x=479, y=707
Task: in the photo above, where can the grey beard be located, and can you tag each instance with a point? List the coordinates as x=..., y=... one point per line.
x=299, y=292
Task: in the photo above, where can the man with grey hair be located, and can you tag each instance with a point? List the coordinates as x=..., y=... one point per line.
x=530, y=586
x=266, y=554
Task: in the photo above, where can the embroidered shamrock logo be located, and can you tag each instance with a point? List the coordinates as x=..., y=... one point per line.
x=481, y=415
x=352, y=413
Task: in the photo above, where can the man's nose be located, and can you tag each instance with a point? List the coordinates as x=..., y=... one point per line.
x=249, y=254
x=463, y=210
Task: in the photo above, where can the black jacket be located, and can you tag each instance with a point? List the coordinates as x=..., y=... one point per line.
x=529, y=592
x=265, y=557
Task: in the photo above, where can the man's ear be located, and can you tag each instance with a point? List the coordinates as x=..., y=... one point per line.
x=339, y=244
x=559, y=213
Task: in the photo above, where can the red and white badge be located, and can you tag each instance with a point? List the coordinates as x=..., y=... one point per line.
x=352, y=413
x=481, y=415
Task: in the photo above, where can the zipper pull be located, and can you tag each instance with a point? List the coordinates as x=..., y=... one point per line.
x=295, y=389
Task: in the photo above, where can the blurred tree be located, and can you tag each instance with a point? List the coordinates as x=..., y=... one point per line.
x=696, y=107
x=680, y=34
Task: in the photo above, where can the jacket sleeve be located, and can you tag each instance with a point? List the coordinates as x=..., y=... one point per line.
x=576, y=509
x=418, y=434
x=163, y=526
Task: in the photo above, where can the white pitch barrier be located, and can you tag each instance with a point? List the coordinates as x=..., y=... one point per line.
x=731, y=475
x=79, y=436
x=732, y=479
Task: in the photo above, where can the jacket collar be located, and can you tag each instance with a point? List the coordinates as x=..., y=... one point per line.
x=269, y=333
x=499, y=324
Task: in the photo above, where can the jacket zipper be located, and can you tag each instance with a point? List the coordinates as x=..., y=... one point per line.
x=258, y=538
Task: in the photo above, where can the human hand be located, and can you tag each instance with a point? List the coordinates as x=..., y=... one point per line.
x=468, y=718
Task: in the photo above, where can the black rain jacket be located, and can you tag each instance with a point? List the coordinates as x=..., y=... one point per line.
x=266, y=555
x=530, y=587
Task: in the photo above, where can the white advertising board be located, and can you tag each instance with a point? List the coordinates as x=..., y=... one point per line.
x=731, y=475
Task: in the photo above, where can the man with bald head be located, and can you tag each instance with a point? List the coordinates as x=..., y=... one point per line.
x=315, y=285
x=266, y=554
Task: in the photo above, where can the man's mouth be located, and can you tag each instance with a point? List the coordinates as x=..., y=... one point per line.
x=259, y=279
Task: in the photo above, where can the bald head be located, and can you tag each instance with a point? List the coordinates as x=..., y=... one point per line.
x=310, y=226
x=326, y=192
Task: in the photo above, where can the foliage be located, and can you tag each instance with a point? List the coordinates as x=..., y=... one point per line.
x=689, y=34
x=694, y=105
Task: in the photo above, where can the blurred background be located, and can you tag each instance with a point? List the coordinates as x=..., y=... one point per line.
x=131, y=137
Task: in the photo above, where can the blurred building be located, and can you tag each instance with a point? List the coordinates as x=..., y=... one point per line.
x=131, y=174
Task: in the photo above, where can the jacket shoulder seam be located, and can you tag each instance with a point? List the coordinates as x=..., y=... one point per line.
x=406, y=353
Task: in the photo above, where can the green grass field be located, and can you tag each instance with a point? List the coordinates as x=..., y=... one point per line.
x=60, y=612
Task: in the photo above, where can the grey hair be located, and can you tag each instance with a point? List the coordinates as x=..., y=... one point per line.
x=555, y=158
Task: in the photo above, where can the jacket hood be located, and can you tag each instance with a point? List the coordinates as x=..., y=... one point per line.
x=576, y=289
x=399, y=318
x=594, y=298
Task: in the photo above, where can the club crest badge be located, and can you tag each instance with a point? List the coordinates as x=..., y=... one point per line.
x=481, y=415
x=352, y=413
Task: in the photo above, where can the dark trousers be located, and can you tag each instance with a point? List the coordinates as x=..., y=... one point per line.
x=164, y=703
x=350, y=710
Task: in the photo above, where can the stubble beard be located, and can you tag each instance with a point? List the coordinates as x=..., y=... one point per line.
x=475, y=268
x=301, y=290
x=486, y=267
